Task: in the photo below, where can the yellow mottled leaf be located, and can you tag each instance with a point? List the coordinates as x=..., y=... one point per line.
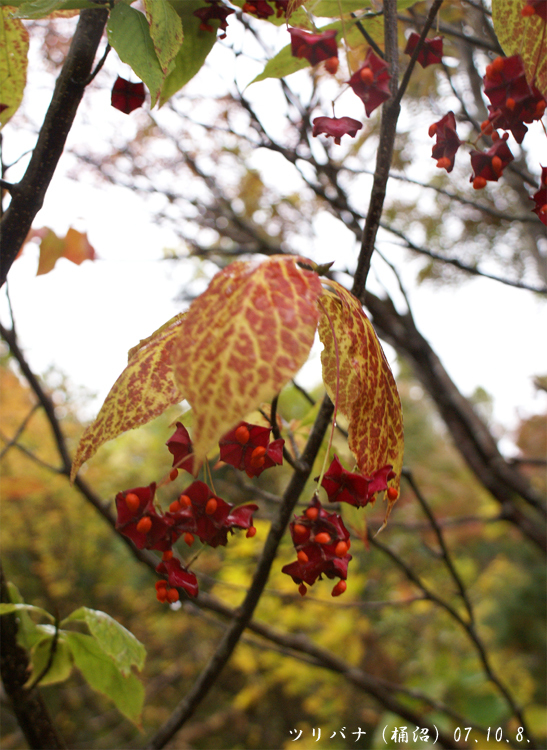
x=367, y=393
x=525, y=36
x=14, y=42
x=144, y=390
x=243, y=340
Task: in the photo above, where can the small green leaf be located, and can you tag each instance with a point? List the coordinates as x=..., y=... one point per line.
x=165, y=30
x=60, y=667
x=102, y=674
x=191, y=56
x=129, y=35
x=6, y=609
x=112, y=637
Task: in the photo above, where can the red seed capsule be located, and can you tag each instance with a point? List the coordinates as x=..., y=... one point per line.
x=322, y=538
x=367, y=76
x=175, y=506
x=340, y=587
x=341, y=549
x=167, y=555
x=302, y=590
x=479, y=183
x=144, y=525
x=510, y=104
x=300, y=532
x=161, y=594
x=188, y=538
x=132, y=501
x=444, y=162
x=173, y=474
x=242, y=434
x=257, y=457
x=161, y=585
x=172, y=596
x=392, y=493
x=302, y=557
x=211, y=506
x=331, y=65
x=251, y=531
x=311, y=513
x=185, y=501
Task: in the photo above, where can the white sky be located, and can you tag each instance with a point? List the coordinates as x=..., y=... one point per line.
x=82, y=320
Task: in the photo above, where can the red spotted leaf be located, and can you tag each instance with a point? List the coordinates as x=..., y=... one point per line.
x=242, y=341
x=367, y=393
x=143, y=391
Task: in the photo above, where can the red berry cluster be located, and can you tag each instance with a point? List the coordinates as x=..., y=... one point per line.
x=198, y=511
x=321, y=540
x=513, y=102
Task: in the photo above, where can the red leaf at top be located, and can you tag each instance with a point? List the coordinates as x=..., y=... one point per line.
x=371, y=82
x=127, y=96
x=313, y=47
x=336, y=127
x=431, y=51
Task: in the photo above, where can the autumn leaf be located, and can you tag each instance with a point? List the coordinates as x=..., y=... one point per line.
x=14, y=43
x=74, y=246
x=144, y=390
x=367, y=393
x=524, y=35
x=243, y=340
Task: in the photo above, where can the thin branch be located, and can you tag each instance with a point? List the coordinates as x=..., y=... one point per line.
x=473, y=270
x=10, y=442
x=408, y=72
x=467, y=626
x=30, y=192
x=388, y=128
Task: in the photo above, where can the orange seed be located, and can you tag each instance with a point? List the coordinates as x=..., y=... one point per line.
x=242, y=434
x=132, y=501
x=340, y=587
x=144, y=525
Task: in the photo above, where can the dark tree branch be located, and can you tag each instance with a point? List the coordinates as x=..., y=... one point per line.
x=28, y=195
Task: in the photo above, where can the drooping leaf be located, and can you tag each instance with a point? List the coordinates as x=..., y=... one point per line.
x=191, y=55
x=103, y=675
x=60, y=667
x=243, y=340
x=14, y=43
x=144, y=390
x=7, y=608
x=526, y=36
x=112, y=637
x=129, y=34
x=367, y=393
x=165, y=30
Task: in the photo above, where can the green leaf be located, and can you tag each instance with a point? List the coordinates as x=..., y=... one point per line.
x=103, y=675
x=165, y=30
x=6, y=609
x=14, y=43
x=191, y=56
x=112, y=637
x=60, y=667
x=526, y=36
x=43, y=8
x=28, y=632
x=129, y=35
